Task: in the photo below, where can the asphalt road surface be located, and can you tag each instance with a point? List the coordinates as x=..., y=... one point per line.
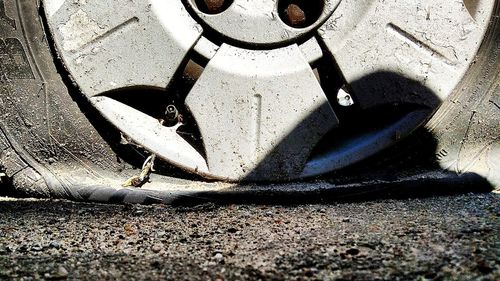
x=439, y=238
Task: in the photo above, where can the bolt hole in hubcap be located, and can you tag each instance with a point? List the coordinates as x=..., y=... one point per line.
x=300, y=13
x=260, y=24
x=295, y=13
x=265, y=90
x=213, y=6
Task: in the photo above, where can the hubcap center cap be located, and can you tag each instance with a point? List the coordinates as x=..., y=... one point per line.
x=266, y=23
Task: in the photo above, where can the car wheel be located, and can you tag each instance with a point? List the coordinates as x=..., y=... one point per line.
x=143, y=101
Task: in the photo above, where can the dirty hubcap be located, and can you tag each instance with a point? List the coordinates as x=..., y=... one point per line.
x=266, y=89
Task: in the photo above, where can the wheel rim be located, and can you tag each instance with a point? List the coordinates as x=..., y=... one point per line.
x=272, y=93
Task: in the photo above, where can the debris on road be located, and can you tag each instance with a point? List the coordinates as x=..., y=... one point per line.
x=147, y=168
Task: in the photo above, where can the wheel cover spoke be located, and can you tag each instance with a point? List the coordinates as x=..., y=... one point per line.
x=142, y=44
x=380, y=51
x=259, y=112
x=147, y=131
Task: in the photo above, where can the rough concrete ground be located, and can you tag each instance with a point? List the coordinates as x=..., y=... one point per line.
x=439, y=238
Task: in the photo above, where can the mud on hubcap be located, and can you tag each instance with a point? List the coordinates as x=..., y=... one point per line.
x=271, y=89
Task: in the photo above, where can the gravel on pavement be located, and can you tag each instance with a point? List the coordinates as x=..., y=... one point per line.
x=435, y=238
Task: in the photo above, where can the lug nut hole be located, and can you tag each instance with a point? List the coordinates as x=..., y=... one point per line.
x=300, y=13
x=213, y=6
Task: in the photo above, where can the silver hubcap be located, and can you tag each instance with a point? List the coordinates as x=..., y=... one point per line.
x=286, y=90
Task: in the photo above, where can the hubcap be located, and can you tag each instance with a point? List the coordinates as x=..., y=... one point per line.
x=273, y=89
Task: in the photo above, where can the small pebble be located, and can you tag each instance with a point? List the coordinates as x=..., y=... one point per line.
x=219, y=257
x=62, y=272
x=156, y=248
x=54, y=244
x=36, y=248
